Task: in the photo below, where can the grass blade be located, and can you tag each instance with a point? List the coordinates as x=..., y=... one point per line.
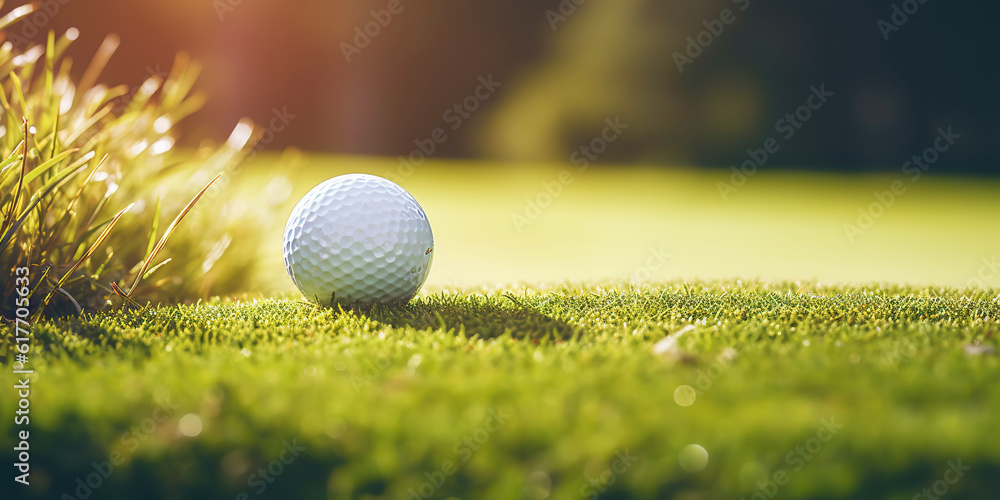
x=55, y=182
x=86, y=255
x=20, y=181
x=83, y=127
x=17, y=14
x=154, y=268
x=90, y=176
x=19, y=93
x=170, y=229
x=63, y=176
x=9, y=162
x=50, y=112
x=155, y=229
x=41, y=169
x=121, y=293
x=8, y=235
x=97, y=64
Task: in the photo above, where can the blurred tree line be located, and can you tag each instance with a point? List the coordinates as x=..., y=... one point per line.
x=695, y=85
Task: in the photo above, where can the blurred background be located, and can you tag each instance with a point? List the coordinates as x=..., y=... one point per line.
x=735, y=138
x=564, y=67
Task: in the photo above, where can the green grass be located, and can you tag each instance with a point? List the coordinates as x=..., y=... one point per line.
x=687, y=389
x=91, y=189
x=379, y=398
x=604, y=226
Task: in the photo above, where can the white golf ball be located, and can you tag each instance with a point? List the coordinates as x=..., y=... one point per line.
x=358, y=239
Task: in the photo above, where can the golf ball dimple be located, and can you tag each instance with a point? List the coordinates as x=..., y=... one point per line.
x=358, y=239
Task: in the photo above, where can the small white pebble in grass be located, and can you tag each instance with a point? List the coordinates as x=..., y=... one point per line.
x=805, y=342
x=693, y=458
x=170, y=348
x=245, y=352
x=685, y=395
x=190, y=425
x=412, y=364
x=668, y=347
x=728, y=355
x=979, y=350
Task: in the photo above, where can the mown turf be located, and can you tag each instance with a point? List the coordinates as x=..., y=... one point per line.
x=382, y=401
x=650, y=223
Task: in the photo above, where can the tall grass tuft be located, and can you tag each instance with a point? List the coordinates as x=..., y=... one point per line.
x=94, y=200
